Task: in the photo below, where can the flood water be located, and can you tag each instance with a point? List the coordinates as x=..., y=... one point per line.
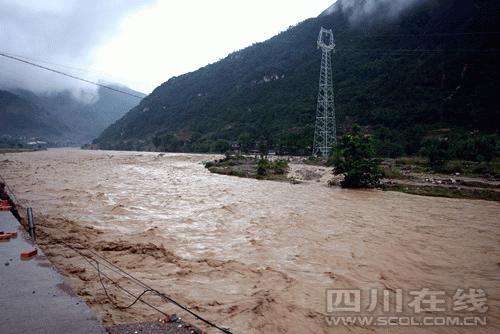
x=255, y=256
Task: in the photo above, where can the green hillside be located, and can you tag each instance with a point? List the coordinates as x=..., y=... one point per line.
x=84, y=121
x=432, y=71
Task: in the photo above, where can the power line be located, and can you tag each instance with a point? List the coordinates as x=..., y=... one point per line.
x=57, y=64
x=137, y=281
x=424, y=50
x=417, y=52
x=100, y=273
x=432, y=34
x=69, y=75
x=124, y=273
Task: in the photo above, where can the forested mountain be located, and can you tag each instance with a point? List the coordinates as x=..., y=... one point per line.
x=21, y=118
x=431, y=69
x=83, y=121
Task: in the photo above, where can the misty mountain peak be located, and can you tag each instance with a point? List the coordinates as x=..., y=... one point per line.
x=358, y=10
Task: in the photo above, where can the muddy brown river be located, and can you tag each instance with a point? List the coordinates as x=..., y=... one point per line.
x=253, y=256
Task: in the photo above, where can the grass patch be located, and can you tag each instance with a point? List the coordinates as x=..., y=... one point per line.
x=228, y=171
x=393, y=173
x=15, y=150
x=411, y=161
x=312, y=161
x=237, y=165
x=489, y=169
x=450, y=192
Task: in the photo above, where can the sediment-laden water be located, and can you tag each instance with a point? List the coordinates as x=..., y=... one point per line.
x=255, y=256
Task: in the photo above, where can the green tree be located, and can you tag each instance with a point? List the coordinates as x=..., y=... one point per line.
x=220, y=146
x=246, y=142
x=167, y=142
x=263, y=149
x=388, y=143
x=478, y=148
x=353, y=156
x=437, y=151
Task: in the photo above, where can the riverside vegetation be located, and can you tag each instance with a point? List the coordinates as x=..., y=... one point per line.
x=422, y=86
x=252, y=167
x=354, y=160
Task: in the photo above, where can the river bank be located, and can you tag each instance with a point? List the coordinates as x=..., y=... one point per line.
x=255, y=256
x=406, y=179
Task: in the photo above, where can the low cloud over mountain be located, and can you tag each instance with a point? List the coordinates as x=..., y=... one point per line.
x=60, y=31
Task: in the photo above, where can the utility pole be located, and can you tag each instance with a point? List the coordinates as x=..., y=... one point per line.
x=325, y=131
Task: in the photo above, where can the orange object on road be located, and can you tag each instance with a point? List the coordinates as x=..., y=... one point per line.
x=4, y=204
x=29, y=254
x=12, y=234
x=5, y=236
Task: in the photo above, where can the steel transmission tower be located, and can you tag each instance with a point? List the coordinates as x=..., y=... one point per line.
x=325, y=131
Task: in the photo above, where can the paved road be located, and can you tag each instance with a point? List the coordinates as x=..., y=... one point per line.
x=33, y=297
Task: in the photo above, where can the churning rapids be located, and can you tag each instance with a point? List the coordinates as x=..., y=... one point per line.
x=254, y=256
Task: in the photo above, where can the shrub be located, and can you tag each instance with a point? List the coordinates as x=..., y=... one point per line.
x=209, y=164
x=479, y=148
x=353, y=157
x=264, y=167
x=437, y=151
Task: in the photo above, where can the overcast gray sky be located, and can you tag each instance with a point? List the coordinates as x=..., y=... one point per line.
x=138, y=43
